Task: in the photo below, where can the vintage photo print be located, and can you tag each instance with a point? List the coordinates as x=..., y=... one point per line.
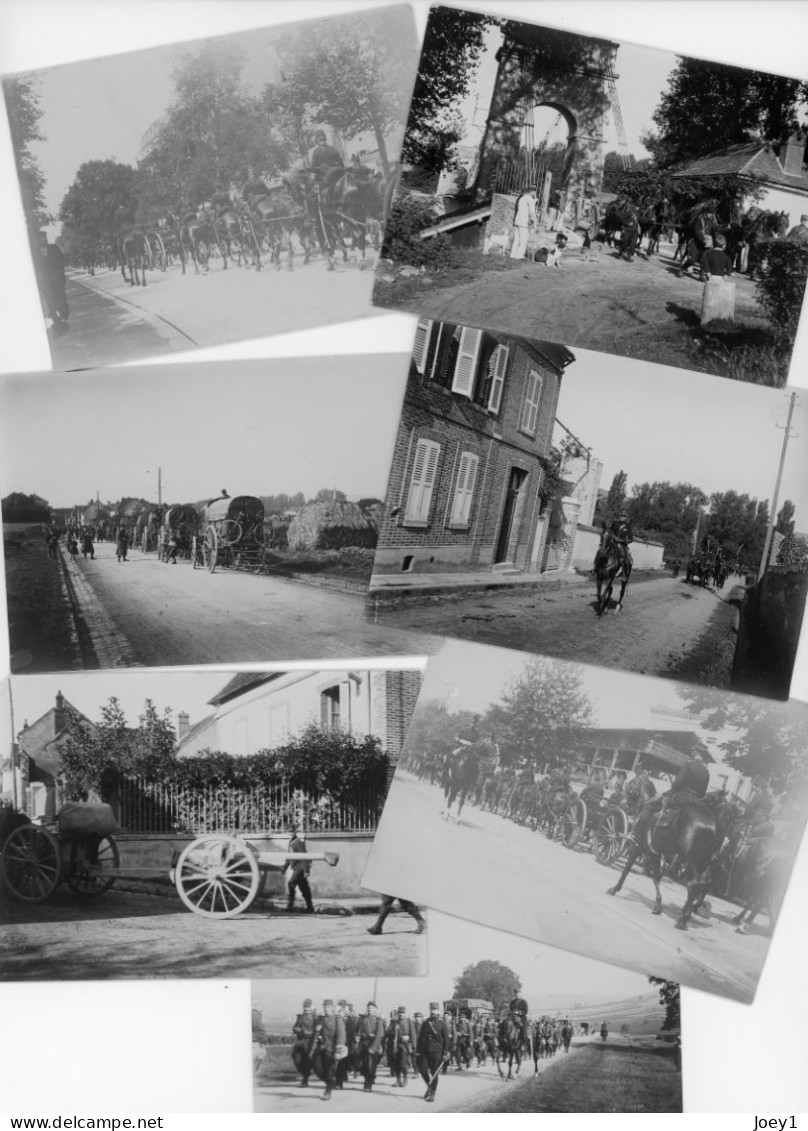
x=201, y=824
x=499, y=1024
x=638, y=821
x=602, y=194
x=596, y=509
x=185, y=514
x=212, y=191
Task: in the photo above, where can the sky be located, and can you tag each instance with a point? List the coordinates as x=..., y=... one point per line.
x=261, y=429
x=454, y=944
x=660, y=424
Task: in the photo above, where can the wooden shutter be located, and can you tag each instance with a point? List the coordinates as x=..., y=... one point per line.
x=530, y=410
x=497, y=367
x=422, y=482
x=464, y=490
x=466, y=364
x=419, y=350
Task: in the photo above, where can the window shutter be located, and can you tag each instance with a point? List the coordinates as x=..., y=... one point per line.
x=530, y=411
x=464, y=490
x=463, y=381
x=498, y=365
x=422, y=336
x=422, y=482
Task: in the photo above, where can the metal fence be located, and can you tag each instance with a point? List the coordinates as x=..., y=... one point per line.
x=164, y=807
x=512, y=174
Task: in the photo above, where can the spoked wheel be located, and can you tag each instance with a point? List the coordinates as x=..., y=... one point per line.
x=94, y=877
x=230, y=532
x=210, y=549
x=31, y=864
x=610, y=836
x=573, y=823
x=217, y=877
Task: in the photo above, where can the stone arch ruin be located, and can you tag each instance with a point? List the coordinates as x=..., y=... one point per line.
x=545, y=67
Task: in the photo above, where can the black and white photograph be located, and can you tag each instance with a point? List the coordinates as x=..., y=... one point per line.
x=596, y=509
x=201, y=824
x=500, y=1024
x=638, y=821
x=212, y=191
x=196, y=514
x=602, y=194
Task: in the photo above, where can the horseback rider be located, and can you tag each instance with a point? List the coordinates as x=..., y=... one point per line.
x=623, y=534
x=690, y=785
x=518, y=1011
x=326, y=163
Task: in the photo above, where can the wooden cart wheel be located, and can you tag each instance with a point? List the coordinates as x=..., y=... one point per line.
x=97, y=877
x=210, y=549
x=217, y=876
x=573, y=823
x=230, y=532
x=31, y=864
x=610, y=836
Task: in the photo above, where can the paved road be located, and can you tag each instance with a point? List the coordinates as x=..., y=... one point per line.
x=144, y=612
x=112, y=321
x=666, y=627
x=506, y=876
x=455, y=1089
x=130, y=935
x=607, y=304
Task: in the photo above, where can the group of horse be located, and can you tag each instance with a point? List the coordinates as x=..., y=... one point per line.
x=334, y=214
x=685, y=843
x=708, y=569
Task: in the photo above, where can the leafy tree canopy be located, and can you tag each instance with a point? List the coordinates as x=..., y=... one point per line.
x=488, y=980
x=102, y=198
x=24, y=113
x=669, y=997
x=785, y=518
x=25, y=508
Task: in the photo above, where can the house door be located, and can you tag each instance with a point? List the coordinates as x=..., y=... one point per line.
x=509, y=513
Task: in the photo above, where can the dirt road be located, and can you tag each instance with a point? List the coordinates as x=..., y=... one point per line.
x=128, y=935
x=666, y=628
x=145, y=612
x=602, y=304
x=506, y=876
x=112, y=321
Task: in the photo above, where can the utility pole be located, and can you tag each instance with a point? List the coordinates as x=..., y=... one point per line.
x=764, y=560
x=159, y=486
x=15, y=784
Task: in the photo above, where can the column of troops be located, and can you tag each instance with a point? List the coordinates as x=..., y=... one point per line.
x=338, y=1044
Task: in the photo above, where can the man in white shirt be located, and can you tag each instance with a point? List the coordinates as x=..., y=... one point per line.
x=524, y=219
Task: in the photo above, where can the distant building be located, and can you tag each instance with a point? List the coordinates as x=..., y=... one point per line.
x=40, y=751
x=468, y=488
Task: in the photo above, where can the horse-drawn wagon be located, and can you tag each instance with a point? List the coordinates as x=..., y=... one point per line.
x=232, y=534
x=217, y=876
x=177, y=530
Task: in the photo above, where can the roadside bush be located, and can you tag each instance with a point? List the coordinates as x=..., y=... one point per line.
x=409, y=216
x=780, y=273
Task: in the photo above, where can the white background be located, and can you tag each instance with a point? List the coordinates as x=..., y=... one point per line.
x=184, y=1047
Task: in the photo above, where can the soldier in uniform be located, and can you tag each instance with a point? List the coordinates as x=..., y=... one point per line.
x=689, y=785
x=303, y=1044
x=387, y=907
x=451, y=1036
x=404, y=1037
x=299, y=874
x=463, y=1042
x=623, y=534
x=345, y=1011
x=330, y=1047
x=518, y=1010
x=370, y=1043
x=433, y=1049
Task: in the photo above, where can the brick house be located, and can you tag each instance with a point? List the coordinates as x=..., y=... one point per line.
x=40, y=751
x=466, y=485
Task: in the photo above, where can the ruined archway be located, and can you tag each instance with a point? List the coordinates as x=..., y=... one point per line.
x=558, y=69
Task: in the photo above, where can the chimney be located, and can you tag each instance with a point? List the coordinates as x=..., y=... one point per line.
x=792, y=153
x=59, y=714
x=183, y=724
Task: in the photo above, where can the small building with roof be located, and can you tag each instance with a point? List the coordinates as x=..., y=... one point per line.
x=40, y=753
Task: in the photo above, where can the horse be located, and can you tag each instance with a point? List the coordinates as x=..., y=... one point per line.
x=509, y=1039
x=608, y=565
x=765, y=879
x=460, y=773
x=198, y=236
x=134, y=253
x=694, y=832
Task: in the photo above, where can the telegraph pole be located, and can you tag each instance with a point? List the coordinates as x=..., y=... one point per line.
x=764, y=561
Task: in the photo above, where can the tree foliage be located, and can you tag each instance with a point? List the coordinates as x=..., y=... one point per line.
x=435, y=729
x=669, y=997
x=103, y=197
x=667, y=513
x=785, y=519
x=710, y=106
x=793, y=552
x=353, y=74
x=542, y=715
x=24, y=113
x=488, y=980
x=452, y=49
x=615, y=500
x=18, y=507
x=780, y=272
x=736, y=523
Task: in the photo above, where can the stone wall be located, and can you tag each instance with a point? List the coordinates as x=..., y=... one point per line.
x=646, y=555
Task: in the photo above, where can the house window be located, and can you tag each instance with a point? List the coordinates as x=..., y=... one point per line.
x=466, y=364
x=329, y=708
x=423, y=337
x=495, y=378
x=530, y=409
x=422, y=482
x=464, y=489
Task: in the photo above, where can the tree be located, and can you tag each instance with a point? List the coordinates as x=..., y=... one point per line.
x=709, y=106
x=25, y=508
x=762, y=738
x=543, y=713
x=488, y=980
x=103, y=196
x=669, y=997
x=433, y=728
x=330, y=495
x=95, y=756
x=451, y=52
x=616, y=498
x=24, y=113
x=354, y=73
x=785, y=519
x=667, y=513
x=736, y=523
x=793, y=552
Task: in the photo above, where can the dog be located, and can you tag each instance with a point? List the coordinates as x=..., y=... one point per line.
x=497, y=244
x=551, y=256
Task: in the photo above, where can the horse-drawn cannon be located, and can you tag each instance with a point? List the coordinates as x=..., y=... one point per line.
x=216, y=876
x=233, y=535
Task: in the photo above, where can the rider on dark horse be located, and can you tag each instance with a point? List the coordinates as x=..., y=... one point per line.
x=518, y=1011
x=689, y=786
x=623, y=534
x=326, y=163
